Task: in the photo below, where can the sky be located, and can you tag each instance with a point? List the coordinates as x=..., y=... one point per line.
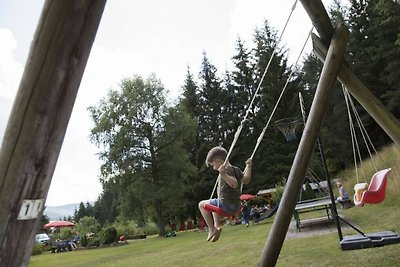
x=137, y=37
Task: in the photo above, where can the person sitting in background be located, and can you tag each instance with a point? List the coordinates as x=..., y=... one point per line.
x=343, y=194
x=255, y=212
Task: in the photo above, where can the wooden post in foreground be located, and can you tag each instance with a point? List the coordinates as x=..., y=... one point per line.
x=39, y=118
x=304, y=153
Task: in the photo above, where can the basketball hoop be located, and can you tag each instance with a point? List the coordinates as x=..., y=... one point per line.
x=288, y=127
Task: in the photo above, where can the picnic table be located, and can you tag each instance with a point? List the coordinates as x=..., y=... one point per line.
x=323, y=203
x=62, y=245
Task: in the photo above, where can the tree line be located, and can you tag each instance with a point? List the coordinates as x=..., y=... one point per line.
x=153, y=151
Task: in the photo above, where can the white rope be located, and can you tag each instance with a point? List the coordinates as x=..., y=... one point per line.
x=274, y=51
x=238, y=131
x=366, y=137
x=280, y=97
x=363, y=132
x=302, y=108
x=353, y=135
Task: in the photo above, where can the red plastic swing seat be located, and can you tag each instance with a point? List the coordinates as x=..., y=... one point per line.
x=376, y=189
x=220, y=211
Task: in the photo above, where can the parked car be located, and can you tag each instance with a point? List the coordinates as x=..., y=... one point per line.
x=42, y=238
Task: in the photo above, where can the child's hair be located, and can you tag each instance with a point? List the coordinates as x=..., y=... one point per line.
x=217, y=152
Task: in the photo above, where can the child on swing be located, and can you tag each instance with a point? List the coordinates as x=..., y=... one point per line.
x=231, y=178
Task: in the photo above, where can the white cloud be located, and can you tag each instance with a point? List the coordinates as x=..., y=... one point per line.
x=277, y=14
x=10, y=75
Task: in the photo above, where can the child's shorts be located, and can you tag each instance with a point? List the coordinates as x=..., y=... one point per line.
x=229, y=209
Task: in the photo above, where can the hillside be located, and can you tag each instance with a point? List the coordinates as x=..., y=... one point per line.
x=59, y=212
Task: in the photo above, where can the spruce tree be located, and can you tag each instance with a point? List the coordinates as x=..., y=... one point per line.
x=274, y=156
x=375, y=54
x=241, y=90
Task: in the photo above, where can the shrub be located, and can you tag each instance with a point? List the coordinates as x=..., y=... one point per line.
x=280, y=187
x=38, y=249
x=130, y=229
x=93, y=242
x=151, y=229
x=126, y=228
x=84, y=241
x=109, y=235
x=66, y=233
x=87, y=225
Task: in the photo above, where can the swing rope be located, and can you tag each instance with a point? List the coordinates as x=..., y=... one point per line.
x=274, y=51
x=280, y=96
x=353, y=136
x=364, y=133
x=302, y=108
x=261, y=136
x=365, y=137
x=240, y=127
x=369, y=139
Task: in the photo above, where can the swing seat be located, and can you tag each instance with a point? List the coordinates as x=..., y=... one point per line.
x=376, y=189
x=219, y=211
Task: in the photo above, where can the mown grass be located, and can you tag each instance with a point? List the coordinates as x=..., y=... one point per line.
x=241, y=246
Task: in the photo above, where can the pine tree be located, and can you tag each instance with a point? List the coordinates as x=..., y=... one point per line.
x=210, y=104
x=189, y=98
x=241, y=88
x=210, y=130
x=274, y=156
x=81, y=212
x=375, y=55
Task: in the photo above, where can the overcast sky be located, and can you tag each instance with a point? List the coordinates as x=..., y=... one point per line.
x=136, y=37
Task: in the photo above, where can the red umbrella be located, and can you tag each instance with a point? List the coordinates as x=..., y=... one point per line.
x=58, y=224
x=246, y=197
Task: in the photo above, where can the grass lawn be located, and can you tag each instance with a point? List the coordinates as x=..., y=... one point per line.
x=241, y=246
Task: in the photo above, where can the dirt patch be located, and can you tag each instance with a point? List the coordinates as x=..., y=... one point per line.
x=313, y=227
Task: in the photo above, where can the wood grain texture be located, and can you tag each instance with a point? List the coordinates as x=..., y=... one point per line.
x=40, y=115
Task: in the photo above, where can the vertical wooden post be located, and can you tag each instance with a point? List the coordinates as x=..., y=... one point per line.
x=308, y=140
x=39, y=118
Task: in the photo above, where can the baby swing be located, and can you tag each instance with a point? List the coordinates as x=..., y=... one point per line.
x=374, y=192
x=364, y=193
